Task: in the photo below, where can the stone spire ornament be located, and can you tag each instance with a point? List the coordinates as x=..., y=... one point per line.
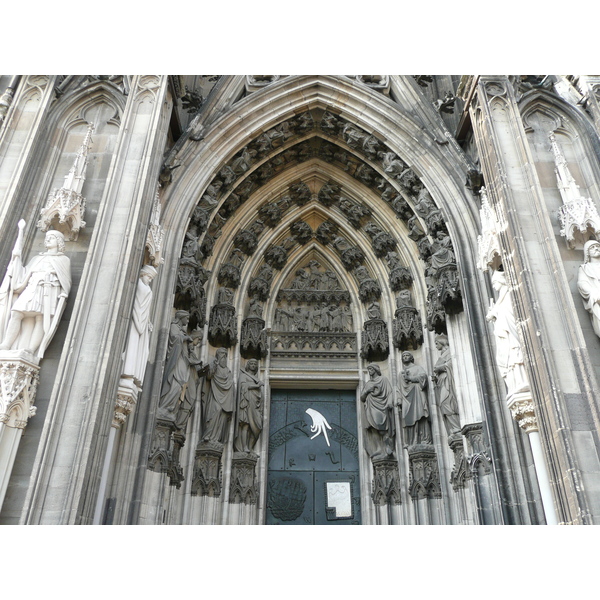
x=578, y=216
x=65, y=207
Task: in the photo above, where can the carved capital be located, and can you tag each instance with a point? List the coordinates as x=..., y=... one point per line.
x=19, y=377
x=523, y=412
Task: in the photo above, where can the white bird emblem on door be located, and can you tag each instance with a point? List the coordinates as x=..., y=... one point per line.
x=319, y=424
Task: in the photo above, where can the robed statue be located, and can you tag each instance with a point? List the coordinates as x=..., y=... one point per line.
x=138, y=341
x=33, y=297
x=443, y=378
x=219, y=400
x=249, y=408
x=414, y=402
x=180, y=360
x=376, y=396
x=588, y=282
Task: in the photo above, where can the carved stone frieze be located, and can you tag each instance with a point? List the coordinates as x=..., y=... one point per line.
x=314, y=296
x=424, y=475
x=243, y=487
x=206, y=480
x=313, y=344
x=386, y=482
x=19, y=377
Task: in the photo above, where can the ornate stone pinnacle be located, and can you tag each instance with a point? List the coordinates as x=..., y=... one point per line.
x=65, y=207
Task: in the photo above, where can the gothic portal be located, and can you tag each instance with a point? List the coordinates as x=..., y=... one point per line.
x=289, y=300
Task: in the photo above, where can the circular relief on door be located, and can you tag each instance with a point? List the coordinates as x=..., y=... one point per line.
x=287, y=496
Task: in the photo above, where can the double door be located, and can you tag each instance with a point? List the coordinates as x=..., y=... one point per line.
x=313, y=475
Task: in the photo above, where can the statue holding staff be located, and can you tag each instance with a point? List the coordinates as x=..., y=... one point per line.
x=33, y=297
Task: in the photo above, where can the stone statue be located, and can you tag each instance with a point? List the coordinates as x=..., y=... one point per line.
x=509, y=355
x=374, y=311
x=33, y=297
x=380, y=427
x=177, y=367
x=414, y=402
x=249, y=408
x=138, y=342
x=588, y=282
x=443, y=379
x=219, y=400
x=442, y=253
x=193, y=390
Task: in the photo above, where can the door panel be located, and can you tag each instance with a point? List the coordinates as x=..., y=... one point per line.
x=313, y=475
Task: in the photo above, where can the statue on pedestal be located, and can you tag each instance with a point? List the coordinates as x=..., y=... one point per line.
x=509, y=355
x=219, y=400
x=249, y=408
x=377, y=400
x=33, y=297
x=443, y=379
x=414, y=402
x=138, y=342
x=180, y=359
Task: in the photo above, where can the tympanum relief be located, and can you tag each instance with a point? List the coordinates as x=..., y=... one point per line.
x=313, y=314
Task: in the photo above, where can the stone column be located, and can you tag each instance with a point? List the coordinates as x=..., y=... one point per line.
x=67, y=469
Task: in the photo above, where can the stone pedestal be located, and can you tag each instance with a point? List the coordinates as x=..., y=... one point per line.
x=243, y=488
x=424, y=472
x=207, y=470
x=19, y=376
x=386, y=482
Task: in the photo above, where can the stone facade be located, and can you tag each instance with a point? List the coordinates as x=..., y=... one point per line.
x=304, y=233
